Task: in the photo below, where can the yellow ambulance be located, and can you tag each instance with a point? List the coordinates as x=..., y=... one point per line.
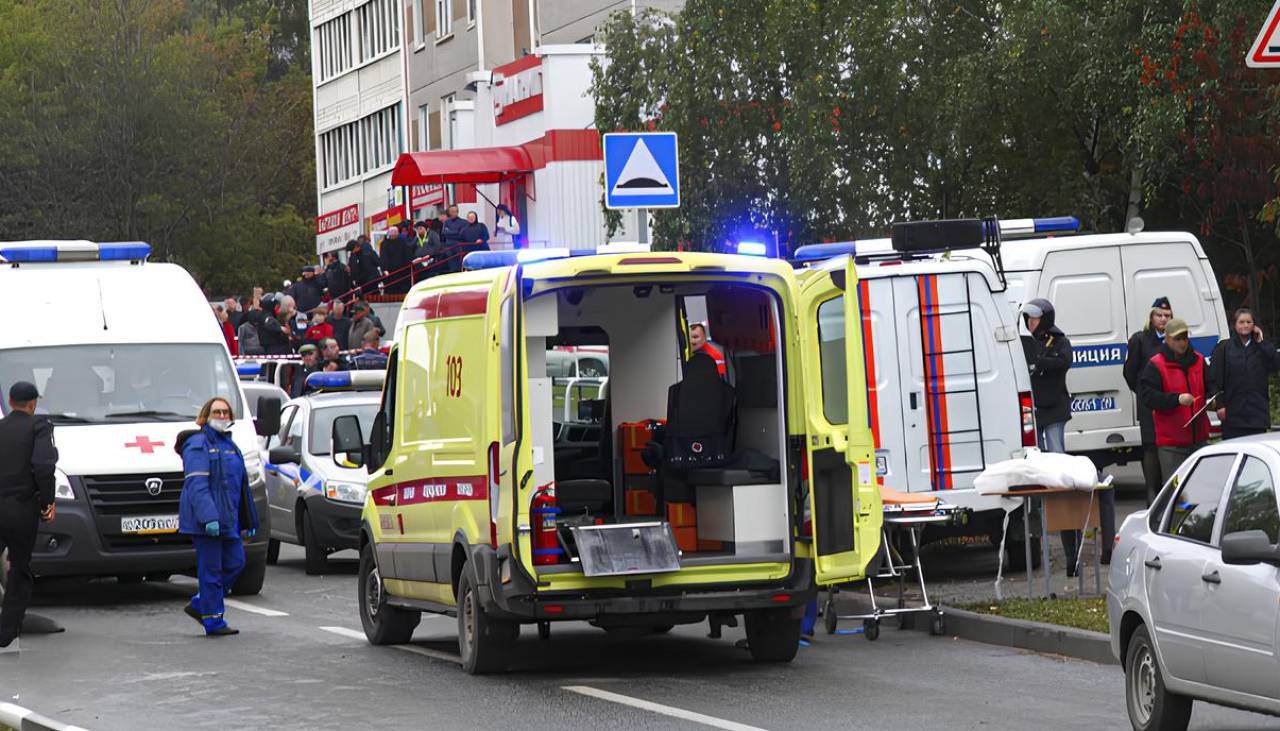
x=688, y=491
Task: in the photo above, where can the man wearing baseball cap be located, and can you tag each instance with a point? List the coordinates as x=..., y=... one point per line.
x=26, y=497
x=1174, y=385
x=1143, y=345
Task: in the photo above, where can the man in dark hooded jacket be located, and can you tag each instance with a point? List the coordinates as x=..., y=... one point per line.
x=337, y=278
x=272, y=335
x=1143, y=345
x=363, y=264
x=308, y=290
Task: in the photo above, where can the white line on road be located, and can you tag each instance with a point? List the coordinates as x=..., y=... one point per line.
x=424, y=651
x=246, y=606
x=680, y=713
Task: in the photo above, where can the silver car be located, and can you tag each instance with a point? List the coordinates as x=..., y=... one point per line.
x=1194, y=598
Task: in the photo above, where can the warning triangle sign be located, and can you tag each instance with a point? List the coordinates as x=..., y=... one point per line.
x=641, y=174
x=1265, y=53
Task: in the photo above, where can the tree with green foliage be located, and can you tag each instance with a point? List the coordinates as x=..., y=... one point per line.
x=183, y=123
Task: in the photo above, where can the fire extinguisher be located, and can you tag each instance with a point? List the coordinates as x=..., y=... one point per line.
x=543, y=512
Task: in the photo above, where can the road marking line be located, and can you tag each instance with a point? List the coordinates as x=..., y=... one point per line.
x=246, y=606
x=424, y=651
x=679, y=713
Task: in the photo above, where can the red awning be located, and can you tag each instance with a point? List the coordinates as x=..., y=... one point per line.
x=475, y=165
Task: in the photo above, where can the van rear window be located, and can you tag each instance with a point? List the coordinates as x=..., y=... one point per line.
x=831, y=350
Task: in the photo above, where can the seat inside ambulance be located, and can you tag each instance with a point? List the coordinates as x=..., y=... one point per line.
x=663, y=436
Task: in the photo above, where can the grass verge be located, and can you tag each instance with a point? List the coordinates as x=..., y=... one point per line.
x=1090, y=614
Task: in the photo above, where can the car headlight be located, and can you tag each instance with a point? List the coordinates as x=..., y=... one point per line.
x=344, y=492
x=62, y=486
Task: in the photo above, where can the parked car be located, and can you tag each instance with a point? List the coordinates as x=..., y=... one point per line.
x=315, y=502
x=1194, y=588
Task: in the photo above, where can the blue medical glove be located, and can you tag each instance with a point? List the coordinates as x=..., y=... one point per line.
x=211, y=529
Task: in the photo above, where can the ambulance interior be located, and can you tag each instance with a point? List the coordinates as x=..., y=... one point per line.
x=663, y=437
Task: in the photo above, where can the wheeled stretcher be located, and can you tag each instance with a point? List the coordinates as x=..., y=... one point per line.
x=905, y=516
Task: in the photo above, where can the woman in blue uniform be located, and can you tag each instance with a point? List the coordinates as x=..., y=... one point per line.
x=216, y=507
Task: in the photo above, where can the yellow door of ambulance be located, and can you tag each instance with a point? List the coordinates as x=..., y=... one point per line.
x=844, y=501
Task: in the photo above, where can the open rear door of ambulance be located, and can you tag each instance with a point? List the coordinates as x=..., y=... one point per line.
x=844, y=501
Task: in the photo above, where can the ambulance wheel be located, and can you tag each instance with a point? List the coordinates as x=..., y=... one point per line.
x=483, y=641
x=871, y=629
x=251, y=578
x=383, y=624
x=830, y=617
x=773, y=635
x=937, y=626
x=317, y=561
x=273, y=551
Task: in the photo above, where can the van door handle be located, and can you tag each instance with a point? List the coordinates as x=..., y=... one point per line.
x=1211, y=578
x=1153, y=563
x=913, y=401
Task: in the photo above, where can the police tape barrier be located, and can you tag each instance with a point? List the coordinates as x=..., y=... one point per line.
x=25, y=719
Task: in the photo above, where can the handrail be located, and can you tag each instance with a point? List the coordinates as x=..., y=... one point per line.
x=411, y=271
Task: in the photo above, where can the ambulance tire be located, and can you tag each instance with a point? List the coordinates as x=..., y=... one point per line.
x=251, y=578
x=773, y=635
x=383, y=624
x=317, y=558
x=273, y=551
x=483, y=641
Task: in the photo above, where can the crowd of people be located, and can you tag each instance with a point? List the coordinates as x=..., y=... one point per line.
x=1175, y=385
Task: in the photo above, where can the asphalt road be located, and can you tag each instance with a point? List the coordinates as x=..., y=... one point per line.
x=130, y=659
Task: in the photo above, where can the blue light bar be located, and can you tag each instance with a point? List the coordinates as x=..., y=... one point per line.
x=1057, y=223
x=752, y=248
x=329, y=379
x=29, y=254
x=347, y=380
x=821, y=252
x=510, y=257
x=249, y=369
x=124, y=251
x=64, y=251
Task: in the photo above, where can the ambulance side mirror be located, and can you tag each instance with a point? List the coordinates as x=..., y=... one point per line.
x=379, y=443
x=348, y=444
x=267, y=422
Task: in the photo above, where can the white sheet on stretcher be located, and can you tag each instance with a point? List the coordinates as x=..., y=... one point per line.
x=1043, y=469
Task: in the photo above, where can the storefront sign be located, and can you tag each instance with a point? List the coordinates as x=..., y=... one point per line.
x=336, y=228
x=382, y=219
x=425, y=195
x=519, y=93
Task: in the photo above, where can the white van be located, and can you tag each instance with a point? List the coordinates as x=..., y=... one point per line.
x=124, y=354
x=948, y=392
x=1102, y=287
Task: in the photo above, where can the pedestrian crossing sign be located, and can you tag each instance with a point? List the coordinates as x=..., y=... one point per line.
x=641, y=170
x=1265, y=52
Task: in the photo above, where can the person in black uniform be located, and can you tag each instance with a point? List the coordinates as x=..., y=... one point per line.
x=1143, y=345
x=26, y=498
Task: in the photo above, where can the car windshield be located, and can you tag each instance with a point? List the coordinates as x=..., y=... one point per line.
x=106, y=384
x=322, y=424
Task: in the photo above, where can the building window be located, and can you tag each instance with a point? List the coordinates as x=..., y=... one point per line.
x=471, y=11
x=424, y=128
x=333, y=39
x=418, y=21
x=444, y=18
x=451, y=120
x=379, y=28
x=360, y=147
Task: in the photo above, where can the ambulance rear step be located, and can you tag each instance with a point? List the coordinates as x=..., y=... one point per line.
x=622, y=549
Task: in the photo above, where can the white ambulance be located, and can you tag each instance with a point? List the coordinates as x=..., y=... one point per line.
x=948, y=387
x=1102, y=287
x=124, y=353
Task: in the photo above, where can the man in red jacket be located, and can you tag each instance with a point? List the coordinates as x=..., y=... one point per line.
x=1174, y=385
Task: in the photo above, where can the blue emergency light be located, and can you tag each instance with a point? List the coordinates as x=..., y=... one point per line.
x=1023, y=227
x=822, y=252
x=249, y=369
x=511, y=257
x=753, y=248
x=346, y=380
x=46, y=252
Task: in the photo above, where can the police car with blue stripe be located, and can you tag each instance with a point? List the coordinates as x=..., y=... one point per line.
x=314, y=501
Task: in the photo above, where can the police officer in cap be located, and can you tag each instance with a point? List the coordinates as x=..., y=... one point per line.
x=26, y=498
x=1143, y=346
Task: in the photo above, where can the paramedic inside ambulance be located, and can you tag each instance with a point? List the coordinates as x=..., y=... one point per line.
x=698, y=342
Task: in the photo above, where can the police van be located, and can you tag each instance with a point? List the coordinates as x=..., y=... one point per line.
x=1102, y=287
x=124, y=353
x=948, y=388
x=688, y=498
x=315, y=503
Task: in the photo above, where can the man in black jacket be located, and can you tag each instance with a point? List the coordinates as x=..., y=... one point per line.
x=1143, y=345
x=307, y=291
x=273, y=336
x=364, y=266
x=1241, y=369
x=26, y=498
x=337, y=278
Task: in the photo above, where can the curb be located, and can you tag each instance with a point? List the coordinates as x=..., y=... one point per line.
x=1024, y=634
x=25, y=719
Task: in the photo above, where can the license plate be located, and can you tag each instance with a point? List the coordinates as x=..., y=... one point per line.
x=149, y=524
